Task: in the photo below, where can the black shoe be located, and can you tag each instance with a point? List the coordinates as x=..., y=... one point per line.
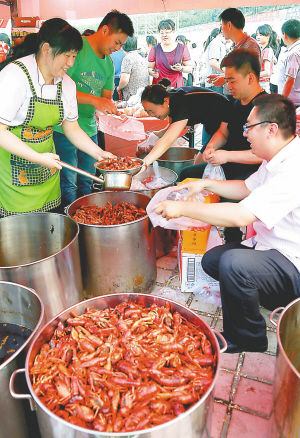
x=234, y=348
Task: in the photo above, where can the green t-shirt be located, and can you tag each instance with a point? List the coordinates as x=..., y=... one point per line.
x=91, y=75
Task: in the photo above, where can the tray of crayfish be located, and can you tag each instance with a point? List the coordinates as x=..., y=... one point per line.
x=124, y=363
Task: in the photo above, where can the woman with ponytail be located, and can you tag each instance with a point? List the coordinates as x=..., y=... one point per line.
x=37, y=95
x=266, y=39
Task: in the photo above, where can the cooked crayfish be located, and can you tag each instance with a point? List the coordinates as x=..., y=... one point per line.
x=123, y=369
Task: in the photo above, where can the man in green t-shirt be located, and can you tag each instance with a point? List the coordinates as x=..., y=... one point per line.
x=93, y=73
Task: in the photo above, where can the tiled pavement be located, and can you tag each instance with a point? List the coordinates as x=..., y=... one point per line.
x=243, y=391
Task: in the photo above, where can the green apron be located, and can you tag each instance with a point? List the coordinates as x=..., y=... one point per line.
x=26, y=186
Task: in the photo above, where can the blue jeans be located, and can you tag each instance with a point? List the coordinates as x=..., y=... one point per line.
x=72, y=185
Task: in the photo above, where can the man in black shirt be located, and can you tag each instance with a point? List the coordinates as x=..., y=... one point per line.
x=228, y=146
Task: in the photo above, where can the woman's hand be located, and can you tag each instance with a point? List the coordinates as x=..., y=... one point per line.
x=177, y=67
x=169, y=209
x=48, y=159
x=155, y=73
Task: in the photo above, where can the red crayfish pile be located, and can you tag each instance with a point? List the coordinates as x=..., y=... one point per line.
x=120, y=213
x=123, y=369
x=119, y=163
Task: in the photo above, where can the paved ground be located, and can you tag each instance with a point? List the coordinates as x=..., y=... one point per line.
x=243, y=392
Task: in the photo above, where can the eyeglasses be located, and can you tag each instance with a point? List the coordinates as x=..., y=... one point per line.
x=247, y=127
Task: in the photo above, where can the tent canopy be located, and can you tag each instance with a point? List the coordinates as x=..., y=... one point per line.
x=78, y=9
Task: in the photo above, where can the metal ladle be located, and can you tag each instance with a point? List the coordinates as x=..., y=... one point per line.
x=118, y=181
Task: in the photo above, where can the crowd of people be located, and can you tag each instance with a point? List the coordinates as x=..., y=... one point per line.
x=52, y=84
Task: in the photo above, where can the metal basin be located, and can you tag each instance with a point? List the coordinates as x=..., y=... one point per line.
x=285, y=421
x=116, y=258
x=40, y=250
x=21, y=306
x=178, y=158
x=168, y=175
x=192, y=424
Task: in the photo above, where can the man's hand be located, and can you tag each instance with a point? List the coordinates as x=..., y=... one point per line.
x=106, y=106
x=169, y=209
x=103, y=155
x=193, y=187
x=208, y=153
x=218, y=157
x=216, y=80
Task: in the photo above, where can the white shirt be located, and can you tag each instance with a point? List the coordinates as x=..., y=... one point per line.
x=275, y=201
x=291, y=69
x=15, y=92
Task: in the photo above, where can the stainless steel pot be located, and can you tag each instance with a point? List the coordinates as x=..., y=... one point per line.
x=178, y=158
x=285, y=421
x=116, y=258
x=22, y=306
x=192, y=424
x=40, y=250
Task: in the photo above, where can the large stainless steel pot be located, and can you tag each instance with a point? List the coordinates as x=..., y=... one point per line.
x=40, y=250
x=285, y=421
x=22, y=306
x=178, y=158
x=191, y=424
x=116, y=258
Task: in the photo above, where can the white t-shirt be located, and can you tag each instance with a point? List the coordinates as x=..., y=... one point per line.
x=15, y=92
x=275, y=201
x=291, y=69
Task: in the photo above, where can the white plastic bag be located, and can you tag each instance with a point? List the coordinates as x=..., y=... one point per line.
x=214, y=172
x=180, y=223
x=122, y=127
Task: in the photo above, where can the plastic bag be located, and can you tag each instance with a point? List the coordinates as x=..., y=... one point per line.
x=180, y=223
x=214, y=172
x=145, y=146
x=122, y=127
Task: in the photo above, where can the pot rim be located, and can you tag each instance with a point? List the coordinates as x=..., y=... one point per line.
x=51, y=255
x=109, y=226
x=36, y=329
x=282, y=350
x=139, y=432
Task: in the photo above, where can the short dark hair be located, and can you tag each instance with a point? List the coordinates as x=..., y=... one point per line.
x=278, y=109
x=154, y=94
x=131, y=44
x=166, y=24
x=118, y=22
x=242, y=59
x=291, y=28
x=150, y=39
x=235, y=16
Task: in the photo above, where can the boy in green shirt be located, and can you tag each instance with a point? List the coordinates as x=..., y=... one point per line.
x=93, y=73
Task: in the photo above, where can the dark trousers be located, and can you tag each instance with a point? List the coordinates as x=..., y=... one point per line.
x=248, y=278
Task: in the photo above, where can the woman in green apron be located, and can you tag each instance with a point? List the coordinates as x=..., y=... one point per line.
x=35, y=96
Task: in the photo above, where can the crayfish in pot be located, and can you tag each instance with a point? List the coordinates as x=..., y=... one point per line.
x=123, y=369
